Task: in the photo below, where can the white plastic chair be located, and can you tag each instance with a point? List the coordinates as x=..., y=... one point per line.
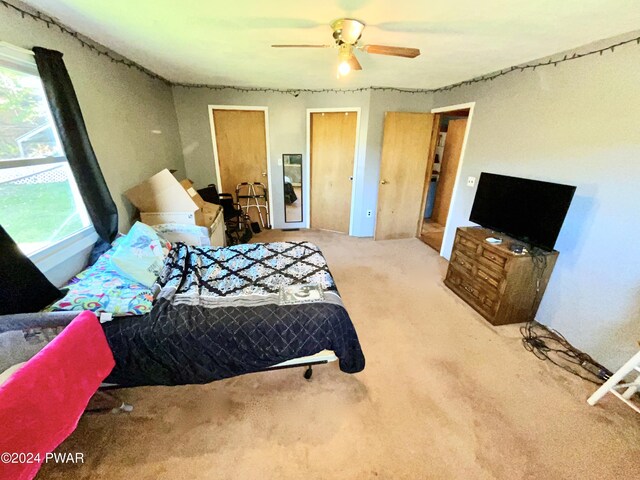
x=612, y=385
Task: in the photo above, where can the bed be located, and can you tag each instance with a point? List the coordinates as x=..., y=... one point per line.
x=218, y=312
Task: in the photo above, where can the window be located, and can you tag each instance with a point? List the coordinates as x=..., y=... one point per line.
x=40, y=204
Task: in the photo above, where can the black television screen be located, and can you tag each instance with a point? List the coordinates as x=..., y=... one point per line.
x=528, y=210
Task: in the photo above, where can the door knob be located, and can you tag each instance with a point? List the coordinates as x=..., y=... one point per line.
x=264, y=174
x=383, y=182
x=351, y=178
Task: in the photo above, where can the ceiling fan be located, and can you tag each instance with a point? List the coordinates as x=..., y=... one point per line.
x=346, y=34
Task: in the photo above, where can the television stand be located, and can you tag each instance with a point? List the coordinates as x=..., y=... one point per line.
x=503, y=286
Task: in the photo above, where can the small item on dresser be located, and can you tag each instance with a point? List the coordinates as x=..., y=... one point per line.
x=493, y=240
x=518, y=248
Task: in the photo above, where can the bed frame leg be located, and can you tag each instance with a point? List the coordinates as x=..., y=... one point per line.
x=308, y=372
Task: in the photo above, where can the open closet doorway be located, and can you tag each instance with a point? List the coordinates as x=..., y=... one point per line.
x=332, y=136
x=443, y=167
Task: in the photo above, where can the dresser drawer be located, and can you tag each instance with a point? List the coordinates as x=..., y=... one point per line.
x=463, y=286
x=488, y=278
x=467, y=245
x=462, y=262
x=474, y=293
x=490, y=304
x=493, y=258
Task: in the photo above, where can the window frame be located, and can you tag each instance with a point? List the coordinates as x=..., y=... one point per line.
x=57, y=253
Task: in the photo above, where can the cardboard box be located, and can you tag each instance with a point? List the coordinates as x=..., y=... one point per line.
x=209, y=210
x=212, y=214
x=156, y=218
x=218, y=237
x=162, y=199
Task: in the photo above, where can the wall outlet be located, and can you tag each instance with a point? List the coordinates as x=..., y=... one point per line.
x=369, y=213
x=471, y=182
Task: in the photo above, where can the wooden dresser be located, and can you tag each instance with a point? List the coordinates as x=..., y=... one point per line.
x=502, y=286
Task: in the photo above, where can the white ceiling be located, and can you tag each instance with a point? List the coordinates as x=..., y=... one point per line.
x=228, y=42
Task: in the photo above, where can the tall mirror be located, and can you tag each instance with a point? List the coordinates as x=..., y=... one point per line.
x=292, y=178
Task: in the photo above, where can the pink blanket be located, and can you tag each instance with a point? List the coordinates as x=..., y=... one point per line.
x=40, y=405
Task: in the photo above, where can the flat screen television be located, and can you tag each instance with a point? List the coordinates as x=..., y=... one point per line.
x=528, y=210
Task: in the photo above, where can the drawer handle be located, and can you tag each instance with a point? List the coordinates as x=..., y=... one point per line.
x=468, y=289
x=461, y=262
x=492, y=257
x=483, y=276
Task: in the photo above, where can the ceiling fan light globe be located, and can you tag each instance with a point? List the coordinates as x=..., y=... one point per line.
x=347, y=30
x=344, y=68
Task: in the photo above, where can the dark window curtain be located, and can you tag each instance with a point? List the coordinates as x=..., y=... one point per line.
x=75, y=140
x=23, y=288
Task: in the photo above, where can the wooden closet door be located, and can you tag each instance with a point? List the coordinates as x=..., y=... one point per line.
x=405, y=153
x=242, y=149
x=448, y=170
x=333, y=144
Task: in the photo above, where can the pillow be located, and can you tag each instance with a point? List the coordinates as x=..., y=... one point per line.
x=140, y=255
x=101, y=288
x=23, y=288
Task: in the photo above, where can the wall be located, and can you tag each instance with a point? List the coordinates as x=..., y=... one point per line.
x=287, y=126
x=130, y=117
x=576, y=123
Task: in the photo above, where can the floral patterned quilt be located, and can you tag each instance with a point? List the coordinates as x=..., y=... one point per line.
x=100, y=288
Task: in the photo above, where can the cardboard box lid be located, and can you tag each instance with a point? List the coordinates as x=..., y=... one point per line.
x=161, y=193
x=197, y=199
x=195, y=196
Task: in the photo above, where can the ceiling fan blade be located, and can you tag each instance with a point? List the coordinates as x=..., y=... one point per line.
x=393, y=51
x=301, y=46
x=354, y=63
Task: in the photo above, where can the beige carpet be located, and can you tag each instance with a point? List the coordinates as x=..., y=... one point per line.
x=443, y=396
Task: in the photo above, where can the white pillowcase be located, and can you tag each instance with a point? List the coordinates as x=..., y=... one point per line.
x=140, y=254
